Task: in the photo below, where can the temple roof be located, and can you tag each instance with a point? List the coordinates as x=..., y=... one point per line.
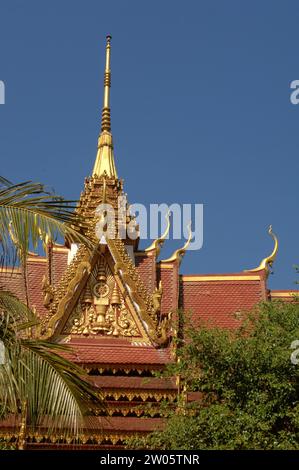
x=113, y=382
x=115, y=351
x=101, y=424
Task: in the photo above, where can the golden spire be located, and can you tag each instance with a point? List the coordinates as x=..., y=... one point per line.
x=267, y=262
x=104, y=164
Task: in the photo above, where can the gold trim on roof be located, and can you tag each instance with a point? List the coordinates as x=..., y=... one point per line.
x=285, y=294
x=69, y=294
x=8, y=269
x=138, y=291
x=42, y=438
x=32, y=259
x=219, y=278
x=60, y=249
x=267, y=262
x=135, y=394
x=142, y=253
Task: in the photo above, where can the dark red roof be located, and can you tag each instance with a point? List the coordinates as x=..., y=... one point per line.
x=123, y=424
x=220, y=302
x=99, y=423
x=115, y=351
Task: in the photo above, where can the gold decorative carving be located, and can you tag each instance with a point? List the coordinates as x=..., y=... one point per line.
x=164, y=328
x=157, y=298
x=48, y=291
x=84, y=267
x=138, y=291
x=101, y=310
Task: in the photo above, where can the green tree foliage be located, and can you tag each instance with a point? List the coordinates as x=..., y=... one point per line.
x=249, y=387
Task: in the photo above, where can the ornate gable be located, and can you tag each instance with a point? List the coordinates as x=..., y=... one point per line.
x=101, y=293
x=104, y=308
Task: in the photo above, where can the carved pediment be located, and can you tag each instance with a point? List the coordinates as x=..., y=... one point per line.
x=101, y=308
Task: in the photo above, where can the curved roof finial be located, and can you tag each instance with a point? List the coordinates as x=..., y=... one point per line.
x=267, y=262
x=178, y=254
x=158, y=243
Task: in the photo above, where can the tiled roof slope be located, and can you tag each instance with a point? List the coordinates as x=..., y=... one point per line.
x=115, y=351
x=220, y=299
x=156, y=383
x=13, y=281
x=102, y=424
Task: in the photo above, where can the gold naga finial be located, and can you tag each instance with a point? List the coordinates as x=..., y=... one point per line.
x=158, y=243
x=267, y=262
x=105, y=156
x=178, y=254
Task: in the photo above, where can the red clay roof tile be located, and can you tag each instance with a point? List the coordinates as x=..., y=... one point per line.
x=115, y=352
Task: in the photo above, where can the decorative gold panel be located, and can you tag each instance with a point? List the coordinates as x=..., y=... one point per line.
x=101, y=309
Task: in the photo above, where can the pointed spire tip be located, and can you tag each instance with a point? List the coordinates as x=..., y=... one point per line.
x=105, y=158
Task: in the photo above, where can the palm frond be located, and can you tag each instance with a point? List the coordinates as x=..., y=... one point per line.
x=30, y=214
x=15, y=310
x=59, y=395
x=4, y=182
x=56, y=391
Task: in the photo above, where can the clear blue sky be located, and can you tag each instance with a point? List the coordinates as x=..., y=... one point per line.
x=200, y=112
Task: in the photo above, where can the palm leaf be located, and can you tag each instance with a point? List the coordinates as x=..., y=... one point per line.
x=29, y=214
x=15, y=310
x=4, y=182
x=57, y=392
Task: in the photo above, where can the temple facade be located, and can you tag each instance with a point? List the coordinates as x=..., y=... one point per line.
x=116, y=306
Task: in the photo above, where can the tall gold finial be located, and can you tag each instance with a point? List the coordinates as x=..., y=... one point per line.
x=106, y=118
x=267, y=262
x=104, y=164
